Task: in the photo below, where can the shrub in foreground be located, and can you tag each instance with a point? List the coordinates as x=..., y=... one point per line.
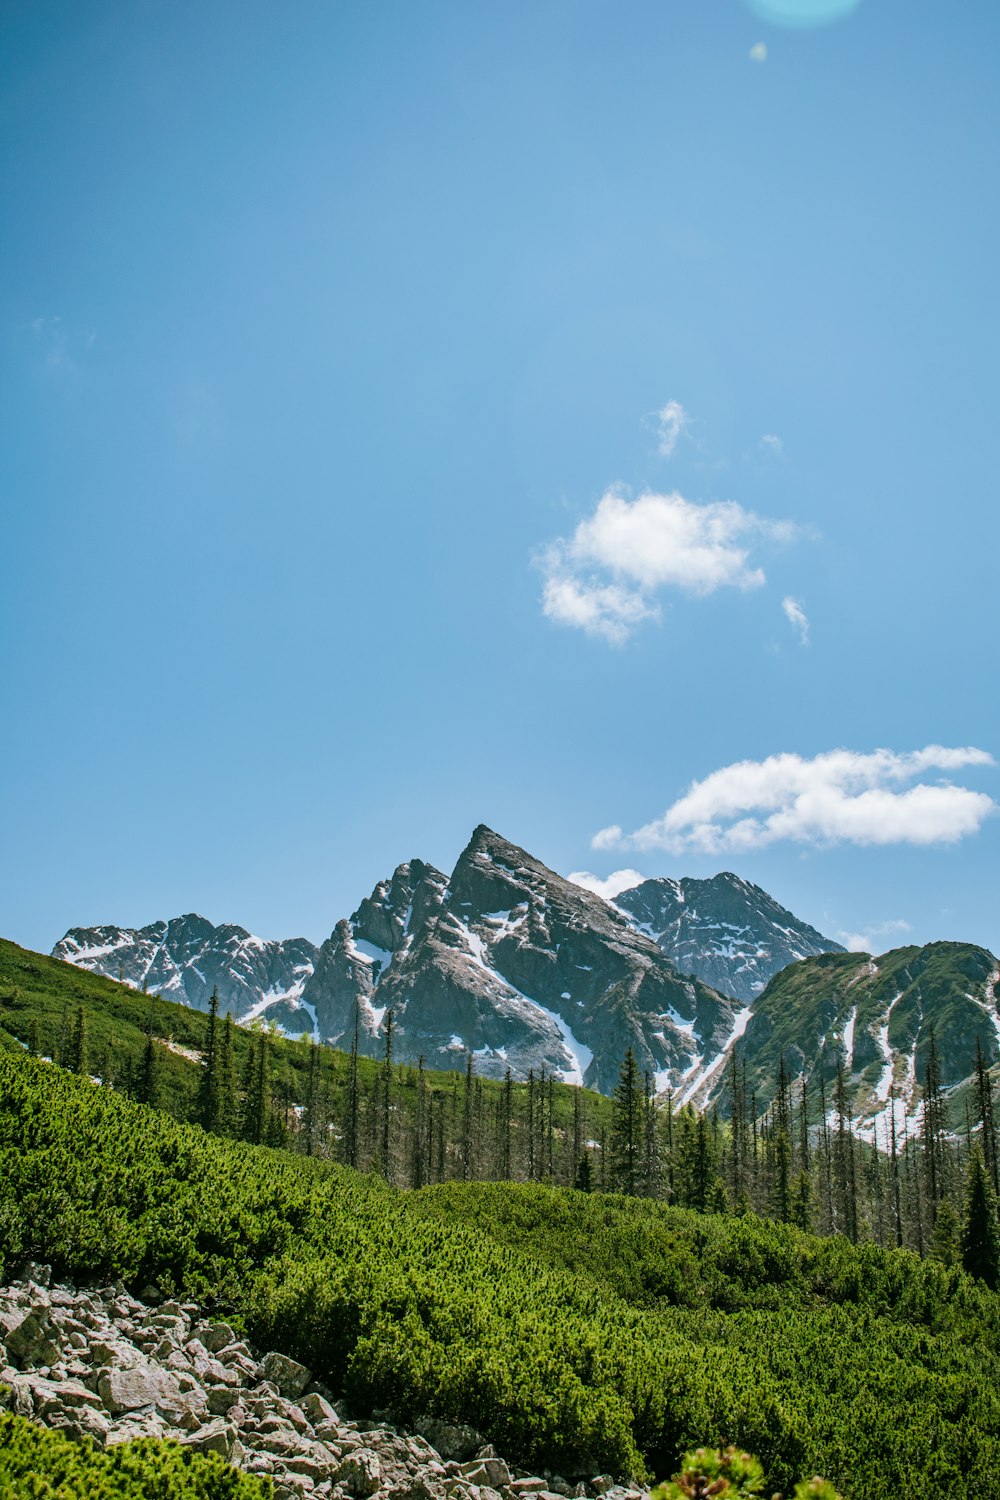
x=37, y=1464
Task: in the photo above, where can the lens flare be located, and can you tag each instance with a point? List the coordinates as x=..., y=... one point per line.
x=802, y=12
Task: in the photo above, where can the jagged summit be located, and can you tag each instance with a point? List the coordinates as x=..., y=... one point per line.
x=187, y=958
x=725, y=930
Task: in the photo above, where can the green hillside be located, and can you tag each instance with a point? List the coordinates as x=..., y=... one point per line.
x=581, y=1332
x=41, y=997
x=810, y=1010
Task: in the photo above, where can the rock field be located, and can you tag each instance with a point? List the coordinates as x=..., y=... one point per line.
x=98, y=1362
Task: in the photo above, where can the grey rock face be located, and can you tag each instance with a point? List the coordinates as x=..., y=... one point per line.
x=142, y=1385
x=508, y=961
x=725, y=931
x=503, y=959
x=186, y=958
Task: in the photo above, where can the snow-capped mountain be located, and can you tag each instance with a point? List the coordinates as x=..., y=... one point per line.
x=725, y=931
x=187, y=958
x=503, y=958
x=507, y=960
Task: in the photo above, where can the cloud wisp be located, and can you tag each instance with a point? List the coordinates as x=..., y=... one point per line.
x=605, y=578
x=672, y=420
x=797, y=618
x=838, y=797
x=875, y=939
x=610, y=886
x=758, y=52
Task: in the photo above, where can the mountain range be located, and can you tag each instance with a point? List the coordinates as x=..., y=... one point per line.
x=508, y=961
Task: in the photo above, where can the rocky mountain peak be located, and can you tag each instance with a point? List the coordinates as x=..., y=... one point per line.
x=725, y=930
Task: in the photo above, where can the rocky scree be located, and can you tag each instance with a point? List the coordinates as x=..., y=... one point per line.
x=102, y=1364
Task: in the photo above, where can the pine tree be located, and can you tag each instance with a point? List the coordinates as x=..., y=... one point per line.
x=626, y=1127
x=650, y=1149
x=311, y=1114
x=149, y=1089
x=988, y=1136
x=352, y=1104
x=945, y=1236
x=980, y=1246
x=208, y=1092
x=385, y=1162
x=228, y=1109
x=77, y=1053
x=801, y=1205
x=531, y=1124
x=584, y=1179
x=418, y=1168
x=507, y=1118
x=934, y=1128
x=467, y=1162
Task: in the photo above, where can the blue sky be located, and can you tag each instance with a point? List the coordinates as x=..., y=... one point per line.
x=425, y=414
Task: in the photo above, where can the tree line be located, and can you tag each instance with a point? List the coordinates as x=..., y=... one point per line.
x=926, y=1181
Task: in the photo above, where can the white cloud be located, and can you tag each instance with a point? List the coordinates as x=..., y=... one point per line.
x=673, y=420
x=771, y=443
x=603, y=579
x=797, y=618
x=841, y=796
x=758, y=52
x=609, y=610
x=874, y=939
x=611, y=886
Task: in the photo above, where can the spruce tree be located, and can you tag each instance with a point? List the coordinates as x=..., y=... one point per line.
x=385, y=1162
x=507, y=1125
x=228, y=1096
x=980, y=1246
x=584, y=1179
x=626, y=1127
x=77, y=1052
x=149, y=1088
x=934, y=1128
x=350, y=1138
x=467, y=1162
x=988, y=1131
x=208, y=1091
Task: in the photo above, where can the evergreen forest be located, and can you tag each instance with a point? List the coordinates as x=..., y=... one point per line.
x=596, y=1284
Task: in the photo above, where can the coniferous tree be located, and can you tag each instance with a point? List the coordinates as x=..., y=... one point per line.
x=311, y=1115
x=934, y=1128
x=945, y=1236
x=149, y=1088
x=208, y=1108
x=584, y=1179
x=385, y=1101
x=467, y=1163
x=988, y=1131
x=626, y=1127
x=350, y=1134
x=669, y=1187
x=531, y=1124
x=229, y=1109
x=507, y=1116
x=77, y=1058
x=980, y=1247
x=418, y=1168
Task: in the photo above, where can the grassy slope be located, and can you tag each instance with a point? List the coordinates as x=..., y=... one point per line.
x=809, y=1003
x=579, y=1332
x=44, y=990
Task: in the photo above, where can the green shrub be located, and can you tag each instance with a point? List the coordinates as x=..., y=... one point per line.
x=36, y=1464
